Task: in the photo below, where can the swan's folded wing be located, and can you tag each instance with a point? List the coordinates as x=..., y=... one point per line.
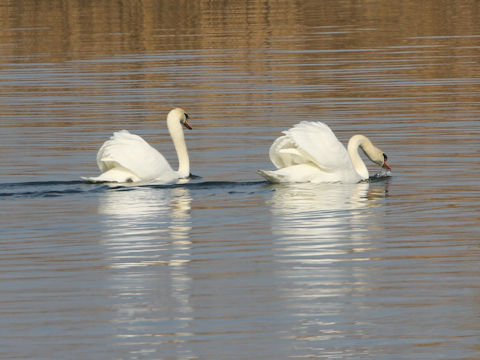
x=131, y=152
x=284, y=153
x=319, y=145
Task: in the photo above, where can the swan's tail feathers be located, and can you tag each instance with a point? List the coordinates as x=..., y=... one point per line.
x=117, y=175
x=97, y=179
x=270, y=176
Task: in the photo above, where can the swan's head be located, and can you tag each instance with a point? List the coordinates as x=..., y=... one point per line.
x=179, y=115
x=378, y=157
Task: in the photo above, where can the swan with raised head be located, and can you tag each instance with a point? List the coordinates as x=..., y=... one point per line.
x=310, y=152
x=126, y=157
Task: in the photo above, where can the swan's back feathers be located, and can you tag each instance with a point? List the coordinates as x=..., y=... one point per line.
x=130, y=151
x=310, y=142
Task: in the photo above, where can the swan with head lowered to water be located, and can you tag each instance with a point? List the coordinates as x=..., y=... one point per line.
x=126, y=157
x=310, y=152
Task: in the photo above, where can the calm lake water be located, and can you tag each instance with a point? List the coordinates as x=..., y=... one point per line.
x=227, y=266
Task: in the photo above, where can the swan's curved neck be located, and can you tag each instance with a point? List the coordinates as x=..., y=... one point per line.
x=176, y=132
x=354, y=143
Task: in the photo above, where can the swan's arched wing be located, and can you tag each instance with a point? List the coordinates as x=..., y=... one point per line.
x=310, y=142
x=284, y=153
x=133, y=153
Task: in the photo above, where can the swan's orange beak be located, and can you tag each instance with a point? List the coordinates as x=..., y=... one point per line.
x=385, y=164
x=187, y=125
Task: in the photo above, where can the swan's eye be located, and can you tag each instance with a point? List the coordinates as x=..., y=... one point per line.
x=385, y=157
x=186, y=115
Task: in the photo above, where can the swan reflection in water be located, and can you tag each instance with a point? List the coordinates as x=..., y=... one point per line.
x=321, y=221
x=147, y=249
x=146, y=221
x=325, y=248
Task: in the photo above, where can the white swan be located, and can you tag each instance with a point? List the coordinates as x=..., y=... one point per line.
x=310, y=152
x=128, y=158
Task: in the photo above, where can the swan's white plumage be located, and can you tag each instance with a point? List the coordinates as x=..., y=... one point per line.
x=137, y=158
x=306, y=142
x=310, y=152
x=126, y=157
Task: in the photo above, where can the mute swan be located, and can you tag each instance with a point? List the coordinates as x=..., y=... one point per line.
x=310, y=152
x=128, y=158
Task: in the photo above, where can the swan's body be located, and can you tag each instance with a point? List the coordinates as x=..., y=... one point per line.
x=310, y=152
x=128, y=158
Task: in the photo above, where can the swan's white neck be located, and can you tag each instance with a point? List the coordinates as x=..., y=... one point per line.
x=176, y=132
x=353, y=144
